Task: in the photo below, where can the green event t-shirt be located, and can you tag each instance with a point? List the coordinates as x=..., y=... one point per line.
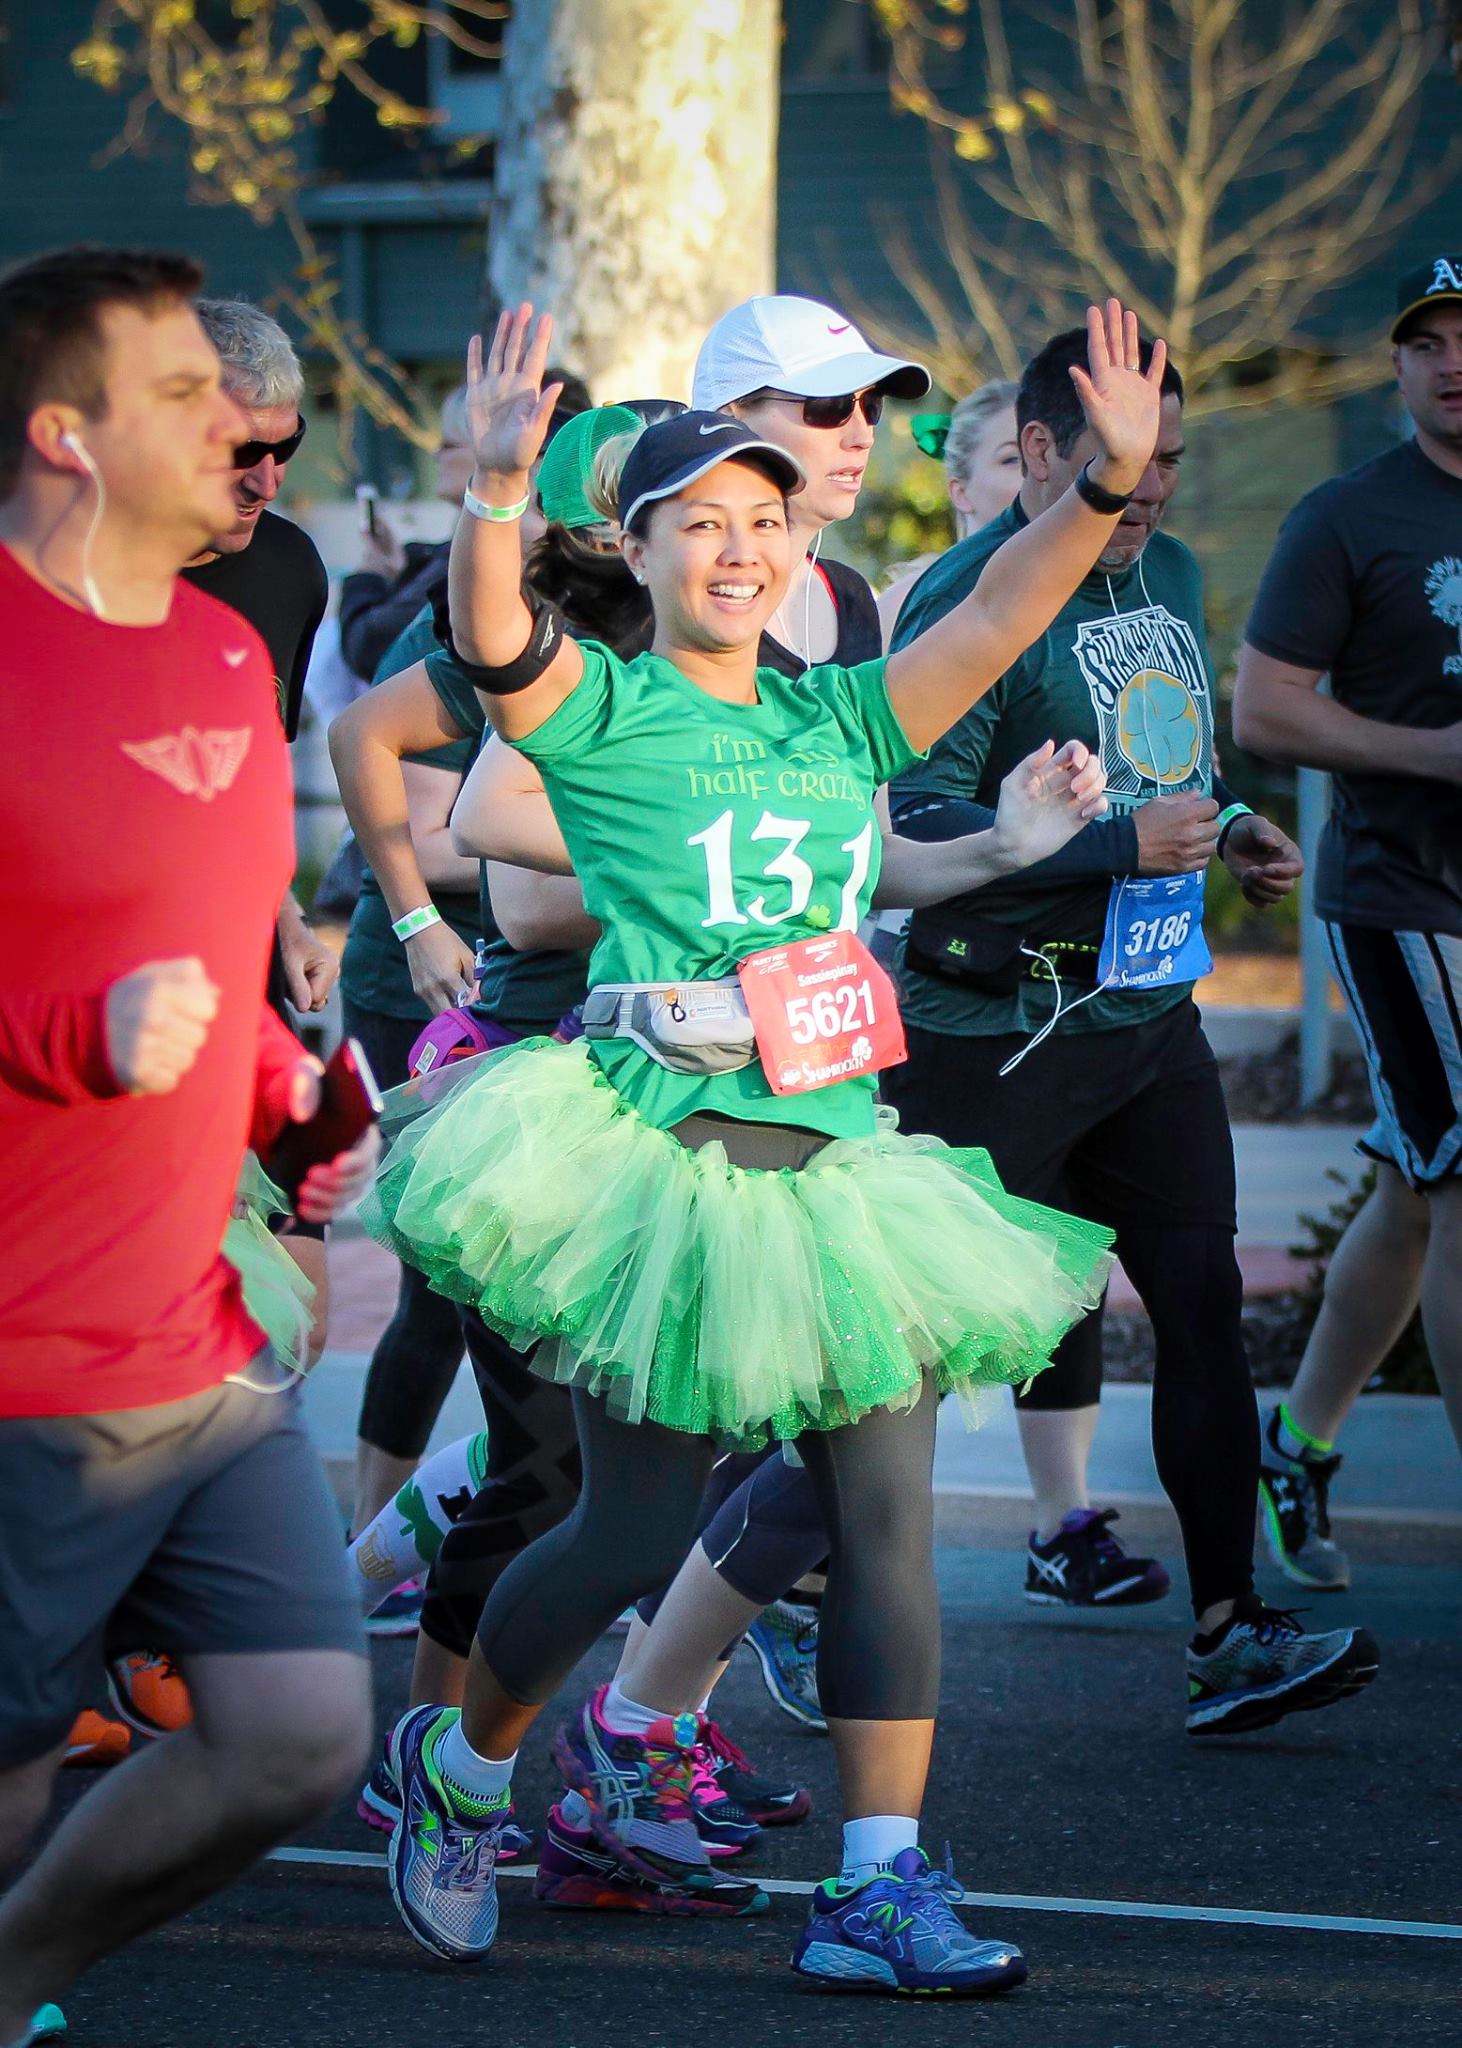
x=533, y=988
x=373, y=968
x=704, y=831
x=1125, y=667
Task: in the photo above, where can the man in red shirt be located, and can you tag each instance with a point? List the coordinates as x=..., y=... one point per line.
x=157, y=1482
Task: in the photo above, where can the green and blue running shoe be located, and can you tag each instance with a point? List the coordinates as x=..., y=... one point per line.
x=784, y=1638
x=443, y=1855
x=49, y=2024
x=1263, y=1665
x=899, y=1932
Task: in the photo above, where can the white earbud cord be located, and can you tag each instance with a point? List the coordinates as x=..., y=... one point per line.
x=1063, y=1008
x=88, y=581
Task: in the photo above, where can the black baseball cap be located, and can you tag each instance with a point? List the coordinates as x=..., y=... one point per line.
x=673, y=453
x=1434, y=284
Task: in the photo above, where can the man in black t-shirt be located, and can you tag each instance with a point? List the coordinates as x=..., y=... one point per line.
x=1365, y=586
x=270, y=571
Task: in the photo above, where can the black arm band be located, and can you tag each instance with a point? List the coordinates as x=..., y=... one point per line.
x=546, y=635
x=1091, y=493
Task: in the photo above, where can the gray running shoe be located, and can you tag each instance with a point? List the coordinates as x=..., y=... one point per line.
x=1265, y=1666
x=1294, y=1495
x=784, y=1637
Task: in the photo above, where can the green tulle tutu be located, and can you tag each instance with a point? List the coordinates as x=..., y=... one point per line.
x=276, y=1293
x=741, y=1303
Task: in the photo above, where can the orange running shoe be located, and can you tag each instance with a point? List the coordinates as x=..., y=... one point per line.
x=148, y=1693
x=95, y=1741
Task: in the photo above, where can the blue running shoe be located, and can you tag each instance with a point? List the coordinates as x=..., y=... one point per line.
x=443, y=1855
x=899, y=1932
x=784, y=1638
x=49, y=2024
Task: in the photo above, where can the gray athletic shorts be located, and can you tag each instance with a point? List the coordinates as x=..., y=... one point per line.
x=197, y=1526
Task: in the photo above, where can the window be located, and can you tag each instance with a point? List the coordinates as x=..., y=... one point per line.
x=466, y=85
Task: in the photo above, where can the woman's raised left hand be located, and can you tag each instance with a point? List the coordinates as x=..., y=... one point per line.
x=1121, y=400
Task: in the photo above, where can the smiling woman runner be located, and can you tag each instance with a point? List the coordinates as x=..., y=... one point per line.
x=618, y=1196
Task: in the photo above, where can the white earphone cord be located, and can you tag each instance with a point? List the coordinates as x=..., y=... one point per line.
x=88, y=581
x=1063, y=1008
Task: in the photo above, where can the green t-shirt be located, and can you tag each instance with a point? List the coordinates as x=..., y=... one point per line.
x=703, y=831
x=1125, y=668
x=535, y=988
x=373, y=968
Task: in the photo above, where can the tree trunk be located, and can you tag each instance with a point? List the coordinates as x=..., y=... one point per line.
x=636, y=178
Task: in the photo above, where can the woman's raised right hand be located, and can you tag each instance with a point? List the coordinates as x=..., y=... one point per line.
x=507, y=408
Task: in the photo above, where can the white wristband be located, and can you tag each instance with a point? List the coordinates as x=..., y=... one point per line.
x=494, y=515
x=416, y=921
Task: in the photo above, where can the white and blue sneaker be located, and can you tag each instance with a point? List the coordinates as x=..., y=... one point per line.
x=899, y=1931
x=784, y=1638
x=443, y=1856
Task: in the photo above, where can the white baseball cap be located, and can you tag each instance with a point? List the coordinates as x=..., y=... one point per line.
x=797, y=346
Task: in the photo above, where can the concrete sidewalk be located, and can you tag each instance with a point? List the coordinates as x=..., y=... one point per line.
x=1401, y=1463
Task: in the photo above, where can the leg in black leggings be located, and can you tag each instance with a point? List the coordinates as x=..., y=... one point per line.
x=417, y=1355
x=634, y=1522
x=879, y=1647
x=532, y=1484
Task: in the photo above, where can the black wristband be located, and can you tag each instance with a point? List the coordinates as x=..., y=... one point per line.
x=545, y=637
x=1091, y=493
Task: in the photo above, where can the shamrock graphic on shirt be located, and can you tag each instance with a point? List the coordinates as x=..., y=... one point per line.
x=1444, y=590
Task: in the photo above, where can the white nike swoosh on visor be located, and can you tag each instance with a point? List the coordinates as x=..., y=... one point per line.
x=235, y=655
x=721, y=427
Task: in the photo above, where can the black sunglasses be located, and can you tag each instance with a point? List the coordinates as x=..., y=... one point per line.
x=835, y=412
x=249, y=453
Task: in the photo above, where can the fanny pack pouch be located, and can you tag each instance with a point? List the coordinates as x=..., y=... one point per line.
x=697, y=1027
x=973, y=951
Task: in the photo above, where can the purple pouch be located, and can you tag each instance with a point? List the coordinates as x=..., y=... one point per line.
x=456, y=1035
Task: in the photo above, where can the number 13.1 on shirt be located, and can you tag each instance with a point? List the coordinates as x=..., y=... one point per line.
x=786, y=865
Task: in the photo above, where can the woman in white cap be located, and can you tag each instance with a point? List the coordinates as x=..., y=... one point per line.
x=707, y=1259
x=803, y=376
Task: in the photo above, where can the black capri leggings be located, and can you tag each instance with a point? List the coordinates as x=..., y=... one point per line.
x=641, y=1501
x=1130, y=1128
x=417, y=1355
x=878, y=1644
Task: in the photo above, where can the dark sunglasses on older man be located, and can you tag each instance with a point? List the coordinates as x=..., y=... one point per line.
x=250, y=453
x=836, y=412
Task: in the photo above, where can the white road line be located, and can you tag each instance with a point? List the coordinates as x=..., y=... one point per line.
x=1011, y=1902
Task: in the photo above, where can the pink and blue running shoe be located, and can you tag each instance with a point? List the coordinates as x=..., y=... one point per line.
x=576, y=1870
x=899, y=1931
x=443, y=1856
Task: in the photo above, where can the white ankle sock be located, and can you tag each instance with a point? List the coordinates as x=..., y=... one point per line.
x=870, y=1845
x=575, y=1809
x=626, y=1716
x=480, y=1777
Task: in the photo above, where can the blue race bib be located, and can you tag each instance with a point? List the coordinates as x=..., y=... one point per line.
x=1154, y=932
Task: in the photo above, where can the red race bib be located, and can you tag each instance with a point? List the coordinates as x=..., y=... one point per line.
x=823, y=1011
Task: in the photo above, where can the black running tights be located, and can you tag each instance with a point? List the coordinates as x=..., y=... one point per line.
x=643, y=1485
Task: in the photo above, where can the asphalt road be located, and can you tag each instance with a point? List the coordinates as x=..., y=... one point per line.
x=1062, y=1773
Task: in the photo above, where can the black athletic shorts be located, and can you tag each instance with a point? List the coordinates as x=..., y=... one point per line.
x=1405, y=994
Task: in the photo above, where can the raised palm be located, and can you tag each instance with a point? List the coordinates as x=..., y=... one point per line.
x=508, y=409
x=1121, y=400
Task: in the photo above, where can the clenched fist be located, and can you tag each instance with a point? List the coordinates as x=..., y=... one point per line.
x=1176, y=835
x=157, y=1020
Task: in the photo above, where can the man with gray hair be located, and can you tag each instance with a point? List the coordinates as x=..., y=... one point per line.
x=264, y=566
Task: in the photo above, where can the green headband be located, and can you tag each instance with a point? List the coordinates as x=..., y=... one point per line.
x=568, y=463
x=931, y=430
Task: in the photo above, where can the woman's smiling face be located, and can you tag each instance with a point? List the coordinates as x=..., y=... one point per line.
x=715, y=558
